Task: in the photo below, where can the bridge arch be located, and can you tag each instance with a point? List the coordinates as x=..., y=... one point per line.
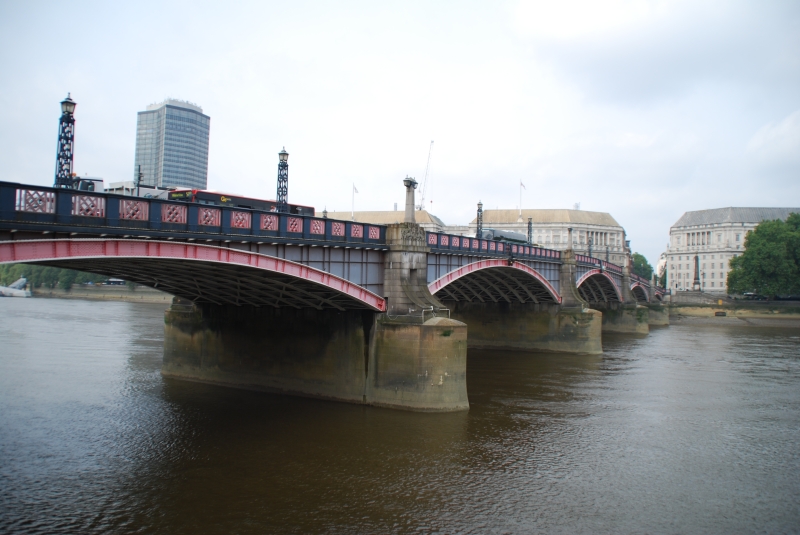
x=495, y=280
x=596, y=286
x=200, y=273
x=640, y=292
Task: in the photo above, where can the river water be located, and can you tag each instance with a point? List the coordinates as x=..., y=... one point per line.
x=693, y=429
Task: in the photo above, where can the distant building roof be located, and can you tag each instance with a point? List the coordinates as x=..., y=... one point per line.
x=733, y=215
x=386, y=217
x=491, y=217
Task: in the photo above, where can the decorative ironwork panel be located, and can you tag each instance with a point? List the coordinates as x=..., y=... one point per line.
x=513, y=248
x=444, y=241
x=173, y=213
x=431, y=239
x=38, y=202
x=475, y=244
x=456, y=242
x=317, y=226
x=134, y=210
x=527, y=250
x=337, y=229
x=88, y=206
x=269, y=222
x=294, y=224
x=483, y=245
x=209, y=217
x=374, y=233
x=492, y=246
x=241, y=220
x=500, y=247
x=357, y=231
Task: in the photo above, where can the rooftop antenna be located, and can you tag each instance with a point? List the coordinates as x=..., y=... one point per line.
x=425, y=180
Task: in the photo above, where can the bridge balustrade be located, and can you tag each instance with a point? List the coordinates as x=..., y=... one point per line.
x=444, y=243
x=66, y=210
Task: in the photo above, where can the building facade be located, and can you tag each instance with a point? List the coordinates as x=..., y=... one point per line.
x=595, y=232
x=172, y=145
x=715, y=236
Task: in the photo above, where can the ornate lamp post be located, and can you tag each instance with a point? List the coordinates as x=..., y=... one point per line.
x=590, y=240
x=283, y=181
x=66, y=144
x=479, y=227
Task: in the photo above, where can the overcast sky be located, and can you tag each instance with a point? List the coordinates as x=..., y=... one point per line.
x=643, y=109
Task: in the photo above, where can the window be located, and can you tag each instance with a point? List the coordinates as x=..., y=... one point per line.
x=738, y=237
x=712, y=284
x=713, y=265
x=712, y=275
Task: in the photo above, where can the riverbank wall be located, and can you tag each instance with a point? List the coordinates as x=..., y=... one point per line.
x=141, y=294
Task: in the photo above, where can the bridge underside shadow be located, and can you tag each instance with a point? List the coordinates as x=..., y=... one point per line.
x=218, y=284
x=509, y=308
x=600, y=291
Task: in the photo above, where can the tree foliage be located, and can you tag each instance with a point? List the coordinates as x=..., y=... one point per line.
x=770, y=264
x=45, y=276
x=642, y=267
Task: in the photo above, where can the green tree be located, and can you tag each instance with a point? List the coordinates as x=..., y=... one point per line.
x=641, y=266
x=66, y=280
x=770, y=264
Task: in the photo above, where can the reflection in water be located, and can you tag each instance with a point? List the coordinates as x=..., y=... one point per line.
x=691, y=429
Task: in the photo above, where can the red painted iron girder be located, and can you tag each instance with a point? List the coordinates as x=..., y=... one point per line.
x=113, y=256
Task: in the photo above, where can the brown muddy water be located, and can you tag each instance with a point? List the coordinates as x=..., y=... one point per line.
x=693, y=429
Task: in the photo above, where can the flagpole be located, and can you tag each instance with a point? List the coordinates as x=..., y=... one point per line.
x=353, y=206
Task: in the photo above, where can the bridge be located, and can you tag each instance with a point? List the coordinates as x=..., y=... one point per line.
x=375, y=314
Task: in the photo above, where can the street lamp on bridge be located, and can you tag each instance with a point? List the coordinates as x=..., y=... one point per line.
x=66, y=144
x=283, y=181
x=479, y=220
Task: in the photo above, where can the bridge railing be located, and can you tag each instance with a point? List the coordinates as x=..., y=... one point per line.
x=440, y=242
x=590, y=260
x=71, y=209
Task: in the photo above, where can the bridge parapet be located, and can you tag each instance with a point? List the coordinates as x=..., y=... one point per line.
x=450, y=243
x=39, y=208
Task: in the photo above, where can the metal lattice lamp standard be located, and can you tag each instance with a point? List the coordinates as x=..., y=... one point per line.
x=66, y=144
x=283, y=181
x=479, y=221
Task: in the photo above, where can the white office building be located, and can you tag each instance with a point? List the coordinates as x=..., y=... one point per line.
x=595, y=231
x=714, y=236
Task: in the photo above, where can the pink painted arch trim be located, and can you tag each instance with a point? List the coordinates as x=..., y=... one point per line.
x=599, y=272
x=41, y=250
x=456, y=274
x=642, y=286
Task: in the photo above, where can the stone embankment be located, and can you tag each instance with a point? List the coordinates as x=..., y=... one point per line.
x=698, y=307
x=141, y=294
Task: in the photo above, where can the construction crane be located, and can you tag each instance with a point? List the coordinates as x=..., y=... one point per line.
x=424, y=188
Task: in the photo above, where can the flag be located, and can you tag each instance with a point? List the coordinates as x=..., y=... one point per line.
x=354, y=189
x=521, y=184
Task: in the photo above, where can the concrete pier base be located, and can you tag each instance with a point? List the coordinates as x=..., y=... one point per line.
x=658, y=315
x=419, y=367
x=626, y=319
x=541, y=327
x=354, y=356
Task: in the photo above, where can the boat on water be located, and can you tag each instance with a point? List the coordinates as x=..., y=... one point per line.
x=16, y=289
